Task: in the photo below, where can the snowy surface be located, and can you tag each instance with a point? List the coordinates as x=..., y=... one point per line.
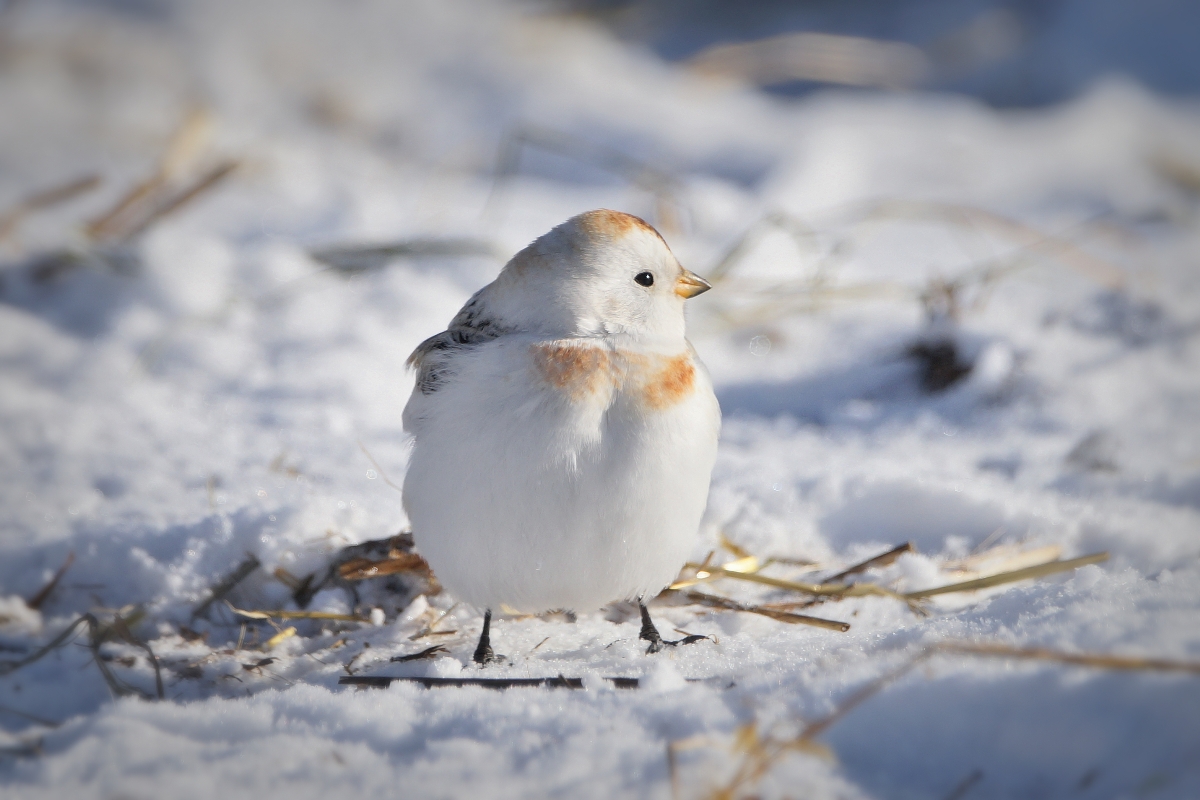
x=215, y=394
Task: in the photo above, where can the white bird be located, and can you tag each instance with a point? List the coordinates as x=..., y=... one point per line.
x=564, y=429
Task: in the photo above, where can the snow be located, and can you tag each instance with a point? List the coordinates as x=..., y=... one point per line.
x=222, y=399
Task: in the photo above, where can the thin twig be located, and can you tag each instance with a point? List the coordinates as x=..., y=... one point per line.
x=228, y=583
x=782, y=616
x=559, y=682
x=1129, y=663
x=881, y=560
x=7, y=666
x=378, y=468
x=36, y=601
x=1037, y=571
x=353, y=259
x=45, y=199
x=282, y=614
x=99, y=634
x=171, y=204
x=760, y=758
x=428, y=652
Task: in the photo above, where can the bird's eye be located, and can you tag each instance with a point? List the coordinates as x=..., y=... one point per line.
x=644, y=279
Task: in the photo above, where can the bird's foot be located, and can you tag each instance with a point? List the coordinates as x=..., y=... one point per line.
x=656, y=645
x=484, y=656
x=650, y=634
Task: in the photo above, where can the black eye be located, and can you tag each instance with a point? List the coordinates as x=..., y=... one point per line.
x=644, y=279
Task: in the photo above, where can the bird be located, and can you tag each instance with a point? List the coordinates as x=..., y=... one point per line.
x=564, y=430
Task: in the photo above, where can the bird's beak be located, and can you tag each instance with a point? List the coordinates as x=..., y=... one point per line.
x=690, y=284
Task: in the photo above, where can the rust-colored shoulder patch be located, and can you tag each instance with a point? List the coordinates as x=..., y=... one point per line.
x=578, y=370
x=671, y=383
x=613, y=223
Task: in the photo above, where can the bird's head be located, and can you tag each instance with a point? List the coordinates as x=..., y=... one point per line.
x=599, y=273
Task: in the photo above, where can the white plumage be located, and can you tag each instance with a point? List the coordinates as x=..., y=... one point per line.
x=564, y=429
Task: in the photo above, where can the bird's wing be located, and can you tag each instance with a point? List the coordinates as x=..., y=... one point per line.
x=434, y=358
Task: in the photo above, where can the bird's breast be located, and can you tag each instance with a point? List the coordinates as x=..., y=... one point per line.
x=584, y=372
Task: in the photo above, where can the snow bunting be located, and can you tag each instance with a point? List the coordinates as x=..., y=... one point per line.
x=564, y=428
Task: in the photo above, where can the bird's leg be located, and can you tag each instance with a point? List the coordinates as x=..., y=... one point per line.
x=651, y=634
x=483, y=653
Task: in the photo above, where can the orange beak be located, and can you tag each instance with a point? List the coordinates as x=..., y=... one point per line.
x=690, y=284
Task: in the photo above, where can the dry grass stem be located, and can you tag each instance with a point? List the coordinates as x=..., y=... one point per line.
x=559, y=682
x=428, y=652
x=816, y=589
x=1005, y=558
x=753, y=302
x=10, y=219
x=703, y=573
x=281, y=614
x=747, y=569
x=378, y=468
x=226, y=585
x=799, y=231
x=714, y=601
x=358, y=569
x=152, y=199
x=761, y=755
x=821, y=57
x=733, y=547
x=275, y=640
x=36, y=601
x=118, y=629
x=178, y=200
x=881, y=560
x=1132, y=663
x=1038, y=571
x=1030, y=239
x=428, y=630
x=353, y=259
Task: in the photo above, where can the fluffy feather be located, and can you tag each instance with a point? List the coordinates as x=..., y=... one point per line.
x=564, y=429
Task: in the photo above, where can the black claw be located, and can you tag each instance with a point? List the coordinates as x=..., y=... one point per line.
x=691, y=638
x=657, y=642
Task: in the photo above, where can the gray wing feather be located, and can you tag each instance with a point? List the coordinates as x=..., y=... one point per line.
x=434, y=358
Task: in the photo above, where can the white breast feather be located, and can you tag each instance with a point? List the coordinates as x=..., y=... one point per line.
x=538, y=497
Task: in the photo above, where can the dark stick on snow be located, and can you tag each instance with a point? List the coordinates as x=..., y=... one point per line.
x=36, y=601
x=428, y=652
x=226, y=585
x=881, y=560
x=560, y=682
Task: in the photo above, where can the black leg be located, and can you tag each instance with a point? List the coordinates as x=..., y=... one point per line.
x=651, y=634
x=483, y=653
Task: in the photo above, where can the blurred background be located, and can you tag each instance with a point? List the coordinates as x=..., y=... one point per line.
x=955, y=246
x=1009, y=53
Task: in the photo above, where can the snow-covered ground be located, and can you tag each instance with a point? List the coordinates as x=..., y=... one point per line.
x=206, y=389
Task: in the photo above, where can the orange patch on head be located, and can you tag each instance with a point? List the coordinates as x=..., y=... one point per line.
x=576, y=370
x=614, y=224
x=671, y=384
